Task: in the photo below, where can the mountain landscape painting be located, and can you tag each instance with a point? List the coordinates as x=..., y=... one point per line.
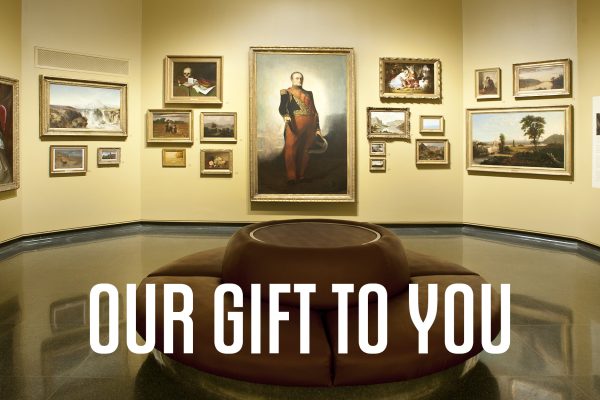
x=388, y=123
x=82, y=108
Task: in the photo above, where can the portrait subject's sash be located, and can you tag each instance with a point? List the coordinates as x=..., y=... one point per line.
x=303, y=97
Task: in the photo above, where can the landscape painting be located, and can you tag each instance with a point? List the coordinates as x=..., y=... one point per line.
x=431, y=124
x=545, y=78
x=218, y=127
x=432, y=151
x=68, y=159
x=70, y=107
x=169, y=126
x=9, y=134
x=388, y=123
x=173, y=158
x=536, y=140
x=109, y=156
x=410, y=78
x=302, y=124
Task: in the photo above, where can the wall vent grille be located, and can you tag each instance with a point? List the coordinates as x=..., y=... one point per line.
x=57, y=59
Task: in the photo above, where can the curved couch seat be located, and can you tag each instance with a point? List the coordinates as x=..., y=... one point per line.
x=289, y=367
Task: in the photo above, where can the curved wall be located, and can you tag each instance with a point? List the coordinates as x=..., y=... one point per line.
x=464, y=34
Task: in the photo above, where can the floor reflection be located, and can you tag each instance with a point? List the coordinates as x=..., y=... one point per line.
x=44, y=321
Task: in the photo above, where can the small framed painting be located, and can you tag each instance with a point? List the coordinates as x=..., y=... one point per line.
x=431, y=124
x=542, y=78
x=388, y=123
x=410, y=78
x=218, y=127
x=169, y=126
x=377, y=164
x=432, y=151
x=216, y=162
x=193, y=79
x=173, y=157
x=66, y=160
x=488, y=84
x=377, y=149
x=109, y=156
x=72, y=107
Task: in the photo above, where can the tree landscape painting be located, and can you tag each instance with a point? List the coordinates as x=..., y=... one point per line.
x=548, y=78
x=83, y=108
x=521, y=140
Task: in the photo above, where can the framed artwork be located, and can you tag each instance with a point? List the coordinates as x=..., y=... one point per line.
x=68, y=160
x=71, y=107
x=522, y=140
x=9, y=134
x=377, y=149
x=542, y=78
x=388, y=123
x=216, y=162
x=431, y=124
x=432, y=151
x=597, y=124
x=488, y=84
x=302, y=124
x=109, y=156
x=169, y=126
x=410, y=78
x=218, y=127
x=193, y=79
x=377, y=164
x=173, y=158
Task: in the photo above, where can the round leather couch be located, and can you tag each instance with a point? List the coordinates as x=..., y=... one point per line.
x=321, y=252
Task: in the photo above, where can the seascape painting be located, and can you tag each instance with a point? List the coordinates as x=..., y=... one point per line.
x=547, y=78
x=527, y=140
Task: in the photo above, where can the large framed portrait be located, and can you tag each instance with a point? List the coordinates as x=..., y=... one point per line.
x=302, y=124
x=169, y=126
x=542, y=78
x=410, y=78
x=521, y=140
x=72, y=107
x=9, y=134
x=388, y=123
x=193, y=79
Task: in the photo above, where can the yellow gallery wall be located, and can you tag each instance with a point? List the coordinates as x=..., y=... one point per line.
x=379, y=28
x=10, y=67
x=464, y=34
x=496, y=35
x=108, y=28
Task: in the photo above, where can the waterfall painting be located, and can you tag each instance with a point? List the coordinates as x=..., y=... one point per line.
x=70, y=107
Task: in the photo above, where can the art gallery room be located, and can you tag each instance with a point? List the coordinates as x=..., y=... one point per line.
x=319, y=200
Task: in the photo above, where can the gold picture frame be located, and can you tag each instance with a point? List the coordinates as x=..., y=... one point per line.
x=74, y=107
x=432, y=151
x=170, y=126
x=9, y=134
x=216, y=162
x=508, y=140
x=173, y=158
x=488, y=84
x=329, y=169
x=542, y=78
x=68, y=160
x=377, y=149
x=218, y=127
x=193, y=80
x=410, y=78
x=388, y=123
x=431, y=124
x=377, y=164
x=109, y=156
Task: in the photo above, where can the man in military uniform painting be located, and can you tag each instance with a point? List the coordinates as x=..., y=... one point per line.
x=301, y=119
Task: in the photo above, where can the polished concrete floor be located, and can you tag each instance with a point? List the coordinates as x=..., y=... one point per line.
x=44, y=338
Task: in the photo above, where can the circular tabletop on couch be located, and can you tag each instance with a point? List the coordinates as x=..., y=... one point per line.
x=311, y=234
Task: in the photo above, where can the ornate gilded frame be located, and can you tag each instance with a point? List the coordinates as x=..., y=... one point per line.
x=12, y=115
x=375, y=134
x=170, y=96
x=387, y=66
x=45, y=112
x=472, y=137
x=313, y=55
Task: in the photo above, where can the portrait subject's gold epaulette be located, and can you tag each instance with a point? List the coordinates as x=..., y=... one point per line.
x=283, y=91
